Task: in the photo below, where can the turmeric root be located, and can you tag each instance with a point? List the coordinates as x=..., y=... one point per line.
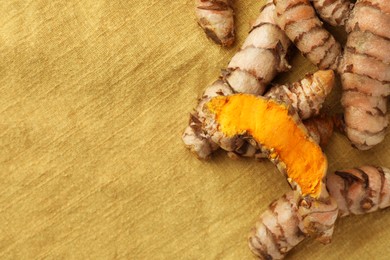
x=277, y=230
x=334, y=12
x=275, y=128
x=365, y=73
x=216, y=17
x=288, y=221
x=261, y=57
x=305, y=96
x=291, y=219
x=360, y=190
x=298, y=19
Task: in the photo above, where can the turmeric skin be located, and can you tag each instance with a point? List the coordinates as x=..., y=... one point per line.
x=360, y=190
x=301, y=24
x=335, y=12
x=274, y=127
x=288, y=221
x=365, y=73
x=216, y=17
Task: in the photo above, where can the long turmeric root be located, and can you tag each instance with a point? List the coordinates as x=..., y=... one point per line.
x=216, y=17
x=360, y=190
x=298, y=19
x=288, y=221
x=365, y=73
x=334, y=12
x=305, y=96
x=291, y=219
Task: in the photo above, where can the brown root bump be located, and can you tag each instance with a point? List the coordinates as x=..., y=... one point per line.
x=320, y=129
x=360, y=190
x=276, y=129
x=216, y=17
x=298, y=19
x=365, y=74
x=334, y=12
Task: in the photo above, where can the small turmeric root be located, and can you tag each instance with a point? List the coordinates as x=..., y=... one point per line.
x=275, y=128
x=298, y=19
x=216, y=17
x=365, y=73
x=334, y=12
x=305, y=96
x=288, y=221
x=360, y=190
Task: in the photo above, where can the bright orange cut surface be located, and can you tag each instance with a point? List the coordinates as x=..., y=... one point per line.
x=271, y=126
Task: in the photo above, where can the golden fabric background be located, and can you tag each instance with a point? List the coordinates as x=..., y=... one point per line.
x=94, y=96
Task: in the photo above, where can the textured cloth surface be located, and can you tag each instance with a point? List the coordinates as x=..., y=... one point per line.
x=94, y=96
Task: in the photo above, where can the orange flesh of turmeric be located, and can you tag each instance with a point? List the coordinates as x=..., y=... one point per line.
x=270, y=124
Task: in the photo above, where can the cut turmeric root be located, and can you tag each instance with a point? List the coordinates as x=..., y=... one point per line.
x=305, y=96
x=276, y=129
x=216, y=17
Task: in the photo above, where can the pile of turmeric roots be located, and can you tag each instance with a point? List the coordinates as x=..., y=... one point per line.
x=242, y=115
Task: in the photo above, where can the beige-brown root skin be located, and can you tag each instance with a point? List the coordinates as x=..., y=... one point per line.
x=277, y=230
x=365, y=74
x=288, y=221
x=298, y=19
x=305, y=96
x=262, y=56
x=195, y=137
x=335, y=12
x=318, y=216
x=216, y=17
x=360, y=190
